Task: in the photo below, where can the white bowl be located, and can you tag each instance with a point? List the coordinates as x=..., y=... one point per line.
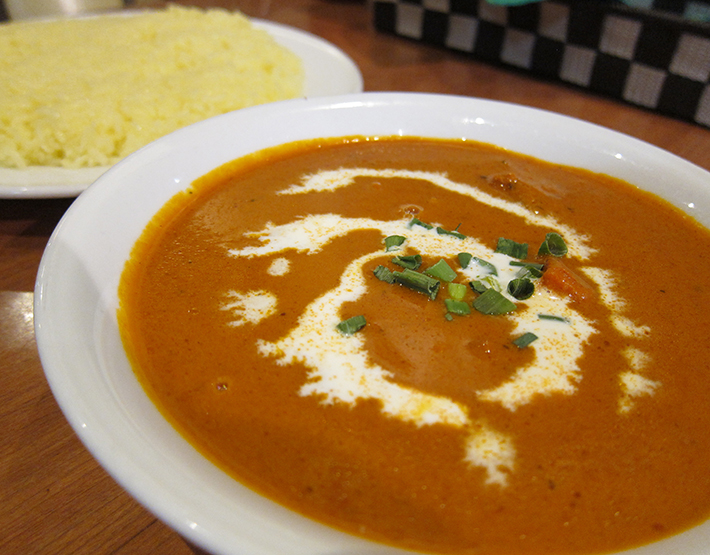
x=76, y=293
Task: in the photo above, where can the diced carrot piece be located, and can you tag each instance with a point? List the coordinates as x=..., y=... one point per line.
x=562, y=280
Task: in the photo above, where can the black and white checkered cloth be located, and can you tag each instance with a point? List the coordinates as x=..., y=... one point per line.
x=649, y=60
x=694, y=10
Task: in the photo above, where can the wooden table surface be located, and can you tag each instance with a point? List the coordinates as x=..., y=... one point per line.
x=54, y=498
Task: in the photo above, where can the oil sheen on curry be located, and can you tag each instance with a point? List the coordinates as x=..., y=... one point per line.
x=439, y=345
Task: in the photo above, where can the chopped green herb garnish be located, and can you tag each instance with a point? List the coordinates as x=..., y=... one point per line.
x=448, y=316
x=491, y=298
x=459, y=308
x=417, y=221
x=493, y=302
x=418, y=282
x=529, y=272
x=552, y=317
x=441, y=270
x=524, y=340
x=553, y=245
x=486, y=282
x=457, y=291
x=490, y=268
x=530, y=265
x=393, y=242
x=464, y=259
x=383, y=273
x=478, y=286
x=412, y=261
x=442, y=231
x=512, y=248
x=521, y=288
x=491, y=282
x=351, y=325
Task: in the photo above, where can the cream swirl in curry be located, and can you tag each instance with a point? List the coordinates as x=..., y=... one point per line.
x=340, y=370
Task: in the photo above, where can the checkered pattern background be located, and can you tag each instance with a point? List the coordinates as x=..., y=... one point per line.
x=695, y=10
x=660, y=63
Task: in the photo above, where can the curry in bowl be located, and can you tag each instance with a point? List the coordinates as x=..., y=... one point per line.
x=440, y=345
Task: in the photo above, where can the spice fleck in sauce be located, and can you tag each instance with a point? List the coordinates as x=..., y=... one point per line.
x=574, y=422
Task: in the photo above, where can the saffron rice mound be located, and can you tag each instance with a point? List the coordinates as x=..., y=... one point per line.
x=80, y=93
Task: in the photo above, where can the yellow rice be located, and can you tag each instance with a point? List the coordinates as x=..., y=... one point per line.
x=87, y=92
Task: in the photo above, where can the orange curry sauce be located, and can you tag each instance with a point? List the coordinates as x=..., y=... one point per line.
x=591, y=468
